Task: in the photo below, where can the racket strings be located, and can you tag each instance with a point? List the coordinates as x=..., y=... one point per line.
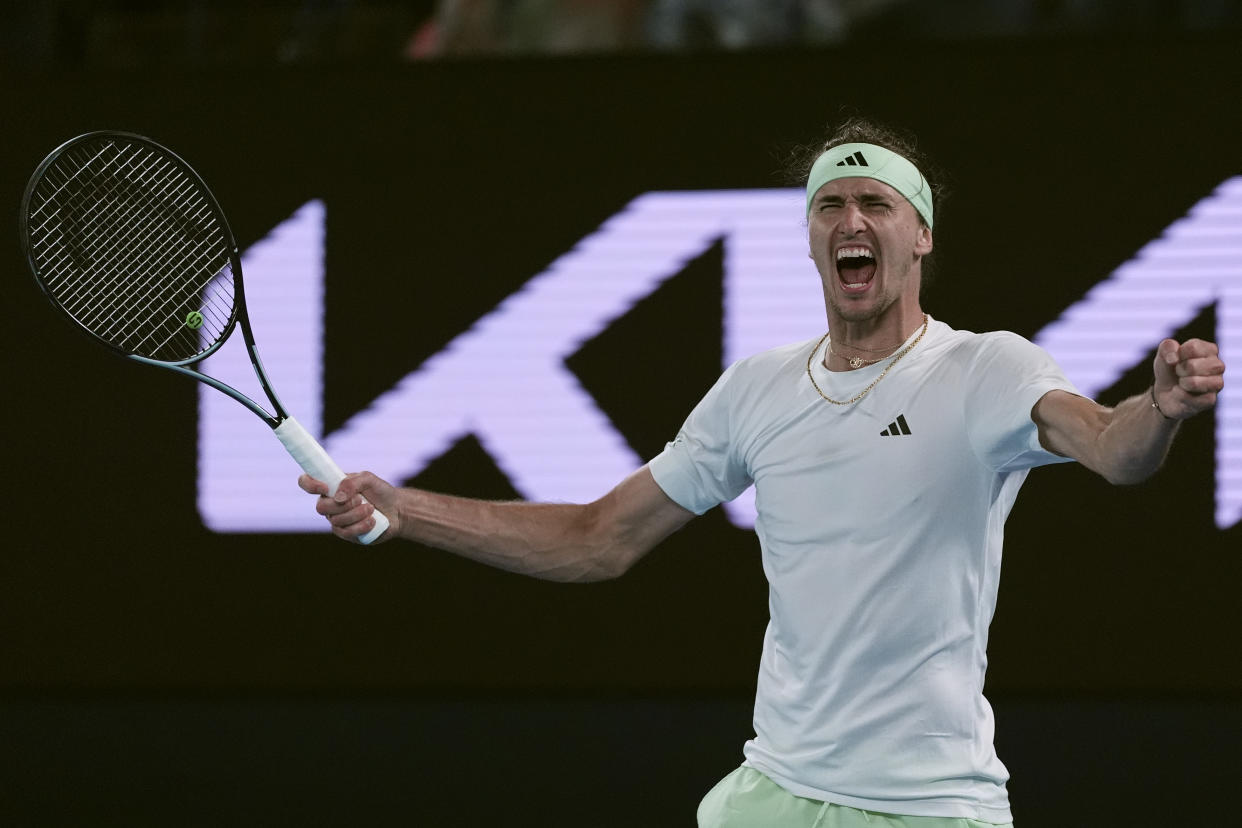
x=128, y=245
x=112, y=247
x=142, y=252
x=148, y=247
x=81, y=244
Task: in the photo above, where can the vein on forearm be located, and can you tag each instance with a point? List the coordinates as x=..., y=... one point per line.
x=553, y=541
x=1133, y=440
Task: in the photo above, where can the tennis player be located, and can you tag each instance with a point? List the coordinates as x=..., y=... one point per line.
x=886, y=457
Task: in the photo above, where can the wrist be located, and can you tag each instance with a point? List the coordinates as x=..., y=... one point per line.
x=1156, y=405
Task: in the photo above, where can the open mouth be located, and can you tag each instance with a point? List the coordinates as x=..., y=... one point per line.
x=855, y=268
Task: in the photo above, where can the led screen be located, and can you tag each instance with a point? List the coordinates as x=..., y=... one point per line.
x=514, y=280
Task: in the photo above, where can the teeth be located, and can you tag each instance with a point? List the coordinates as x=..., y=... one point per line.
x=854, y=253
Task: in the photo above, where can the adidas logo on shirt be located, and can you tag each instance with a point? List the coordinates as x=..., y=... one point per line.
x=897, y=428
x=855, y=160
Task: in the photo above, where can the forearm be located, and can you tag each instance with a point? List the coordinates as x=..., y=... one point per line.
x=557, y=542
x=1134, y=441
x=1128, y=443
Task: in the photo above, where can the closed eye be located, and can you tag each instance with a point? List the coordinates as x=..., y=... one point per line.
x=875, y=206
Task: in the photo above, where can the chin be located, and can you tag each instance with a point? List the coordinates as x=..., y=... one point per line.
x=858, y=311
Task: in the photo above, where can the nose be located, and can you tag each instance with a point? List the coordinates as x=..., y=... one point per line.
x=852, y=218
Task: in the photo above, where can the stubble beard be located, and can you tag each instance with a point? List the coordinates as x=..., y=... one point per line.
x=883, y=303
x=868, y=314
x=850, y=312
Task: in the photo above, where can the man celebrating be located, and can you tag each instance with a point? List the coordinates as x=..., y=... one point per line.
x=886, y=457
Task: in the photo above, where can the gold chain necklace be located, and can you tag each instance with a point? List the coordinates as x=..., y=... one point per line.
x=857, y=361
x=854, y=361
x=875, y=382
x=875, y=350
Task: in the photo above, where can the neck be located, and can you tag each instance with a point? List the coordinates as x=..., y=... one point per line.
x=876, y=334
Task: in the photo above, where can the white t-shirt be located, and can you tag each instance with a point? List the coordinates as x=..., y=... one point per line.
x=880, y=525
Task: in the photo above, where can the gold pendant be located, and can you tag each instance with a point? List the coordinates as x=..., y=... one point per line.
x=856, y=362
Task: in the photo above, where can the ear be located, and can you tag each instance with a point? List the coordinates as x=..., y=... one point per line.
x=923, y=243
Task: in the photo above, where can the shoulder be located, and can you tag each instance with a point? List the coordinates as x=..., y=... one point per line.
x=1010, y=351
x=783, y=357
x=990, y=347
x=943, y=334
x=759, y=379
x=765, y=368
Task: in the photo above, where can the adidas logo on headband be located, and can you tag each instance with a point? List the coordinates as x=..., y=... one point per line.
x=880, y=163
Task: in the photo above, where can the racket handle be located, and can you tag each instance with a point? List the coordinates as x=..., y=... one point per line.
x=315, y=461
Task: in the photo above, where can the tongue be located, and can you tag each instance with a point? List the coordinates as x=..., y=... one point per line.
x=857, y=272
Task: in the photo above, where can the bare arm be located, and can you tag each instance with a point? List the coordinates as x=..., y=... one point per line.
x=555, y=541
x=1128, y=443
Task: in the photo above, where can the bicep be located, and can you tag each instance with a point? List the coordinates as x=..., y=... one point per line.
x=1070, y=426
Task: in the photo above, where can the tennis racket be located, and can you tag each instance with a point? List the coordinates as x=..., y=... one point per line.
x=126, y=240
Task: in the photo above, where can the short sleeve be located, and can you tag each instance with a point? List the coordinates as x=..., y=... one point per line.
x=700, y=469
x=1007, y=377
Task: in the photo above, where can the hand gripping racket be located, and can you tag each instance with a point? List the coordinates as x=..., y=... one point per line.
x=126, y=240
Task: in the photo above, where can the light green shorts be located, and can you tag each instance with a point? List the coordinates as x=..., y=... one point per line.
x=748, y=799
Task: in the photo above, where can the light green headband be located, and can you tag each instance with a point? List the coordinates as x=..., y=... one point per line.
x=871, y=161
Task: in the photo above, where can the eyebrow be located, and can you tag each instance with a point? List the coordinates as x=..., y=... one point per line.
x=859, y=197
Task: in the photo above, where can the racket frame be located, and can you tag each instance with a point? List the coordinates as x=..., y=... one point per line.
x=238, y=318
x=300, y=444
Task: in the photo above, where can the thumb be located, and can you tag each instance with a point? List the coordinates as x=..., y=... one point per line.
x=1168, y=352
x=345, y=489
x=1164, y=367
x=351, y=485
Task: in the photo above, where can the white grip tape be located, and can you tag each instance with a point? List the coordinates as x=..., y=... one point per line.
x=315, y=461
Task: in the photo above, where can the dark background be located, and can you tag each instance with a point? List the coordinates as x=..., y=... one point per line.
x=156, y=673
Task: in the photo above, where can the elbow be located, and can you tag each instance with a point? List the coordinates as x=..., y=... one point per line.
x=604, y=570
x=1128, y=475
x=609, y=561
x=585, y=567
x=1128, y=467
x=606, y=551
x=592, y=567
x=1125, y=479
x=622, y=560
